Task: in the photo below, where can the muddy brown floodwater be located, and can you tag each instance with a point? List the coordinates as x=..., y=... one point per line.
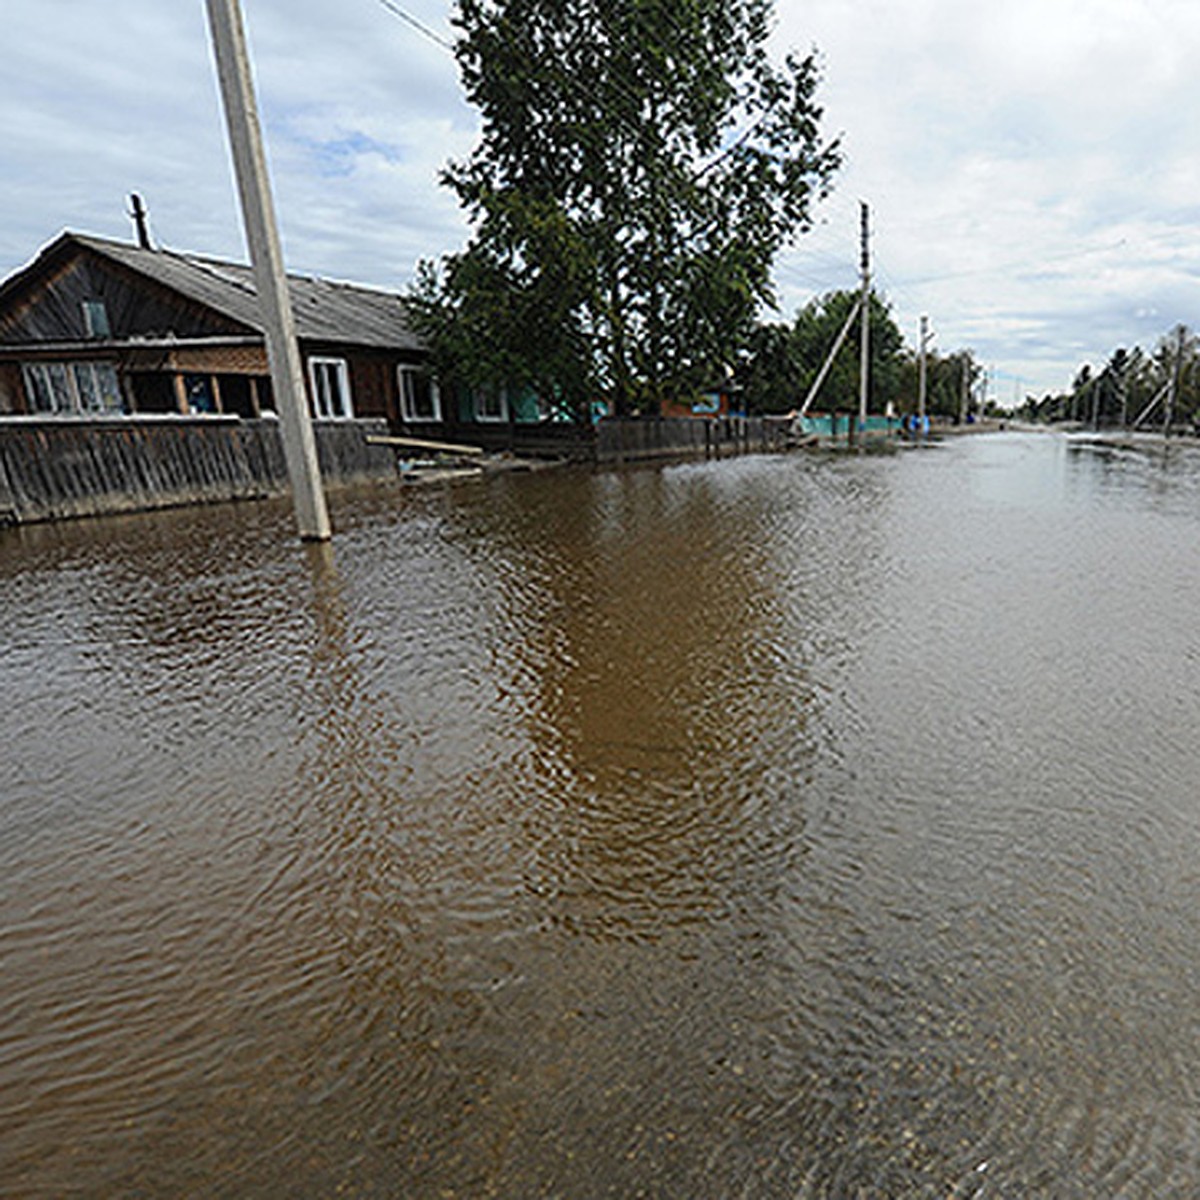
x=776, y=827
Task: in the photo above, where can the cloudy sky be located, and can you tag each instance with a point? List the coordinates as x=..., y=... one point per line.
x=1032, y=166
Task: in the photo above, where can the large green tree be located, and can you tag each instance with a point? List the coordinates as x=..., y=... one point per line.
x=641, y=163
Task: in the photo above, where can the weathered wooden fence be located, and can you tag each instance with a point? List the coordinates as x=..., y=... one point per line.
x=666, y=437
x=622, y=440
x=55, y=468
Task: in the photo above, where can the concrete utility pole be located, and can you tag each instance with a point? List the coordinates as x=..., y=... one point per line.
x=1176, y=371
x=266, y=257
x=851, y=317
x=921, y=376
x=864, y=366
x=966, y=389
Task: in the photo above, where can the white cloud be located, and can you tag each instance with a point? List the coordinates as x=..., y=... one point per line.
x=360, y=112
x=1030, y=167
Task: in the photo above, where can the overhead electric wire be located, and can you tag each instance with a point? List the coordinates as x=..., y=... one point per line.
x=574, y=83
x=416, y=23
x=570, y=83
x=1016, y=264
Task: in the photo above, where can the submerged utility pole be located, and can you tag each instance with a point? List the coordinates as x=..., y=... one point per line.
x=864, y=367
x=266, y=257
x=851, y=317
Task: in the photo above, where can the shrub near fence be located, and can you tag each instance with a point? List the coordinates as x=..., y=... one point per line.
x=55, y=468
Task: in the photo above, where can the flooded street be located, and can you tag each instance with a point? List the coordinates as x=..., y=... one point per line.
x=773, y=827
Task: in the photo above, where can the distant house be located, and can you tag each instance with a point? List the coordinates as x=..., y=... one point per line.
x=715, y=403
x=93, y=326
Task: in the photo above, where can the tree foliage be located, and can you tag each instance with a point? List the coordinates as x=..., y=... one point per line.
x=640, y=165
x=1133, y=387
x=947, y=378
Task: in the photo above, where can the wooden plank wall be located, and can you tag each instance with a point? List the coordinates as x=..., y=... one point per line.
x=54, y=468
x=682, y=437
x=615, y=440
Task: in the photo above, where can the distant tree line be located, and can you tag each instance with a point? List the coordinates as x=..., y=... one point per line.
x=781, y=361
x=1134, y=387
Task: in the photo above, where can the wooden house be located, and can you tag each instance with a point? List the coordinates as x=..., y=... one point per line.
x=97, y=327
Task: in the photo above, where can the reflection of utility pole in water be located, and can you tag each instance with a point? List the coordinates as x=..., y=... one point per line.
x=266, y=257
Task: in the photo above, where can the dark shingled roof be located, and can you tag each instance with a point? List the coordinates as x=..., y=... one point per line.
x=324, y=311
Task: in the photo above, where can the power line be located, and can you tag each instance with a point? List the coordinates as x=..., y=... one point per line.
x=425, y=30
x=1015, y=264
x=570, y=82
x=623, y=86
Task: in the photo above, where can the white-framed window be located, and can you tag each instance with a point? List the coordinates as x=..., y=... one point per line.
x=490, y=404
x=58, y=387
x=330, y=383
x=95, y=319
x=420, y=399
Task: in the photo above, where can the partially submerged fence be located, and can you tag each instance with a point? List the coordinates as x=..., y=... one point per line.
x=59, y=467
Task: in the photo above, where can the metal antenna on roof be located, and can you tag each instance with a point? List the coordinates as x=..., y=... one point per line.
x=139, y=214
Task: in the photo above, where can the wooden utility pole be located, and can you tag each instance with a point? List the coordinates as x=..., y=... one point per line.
x=966, y=389
x=266, y=257
x=864, y=366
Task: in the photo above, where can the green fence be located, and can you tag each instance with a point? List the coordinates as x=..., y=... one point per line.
x=837, y=425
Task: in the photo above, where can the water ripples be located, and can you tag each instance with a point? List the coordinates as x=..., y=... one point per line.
x=776, y=827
